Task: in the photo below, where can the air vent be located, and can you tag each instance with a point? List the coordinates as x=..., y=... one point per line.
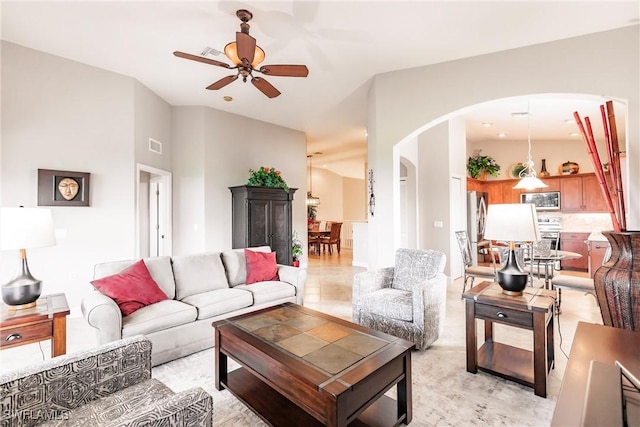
x=155, y=146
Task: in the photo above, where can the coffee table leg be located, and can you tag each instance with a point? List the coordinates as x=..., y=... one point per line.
x=404, y=391
x=220, y=363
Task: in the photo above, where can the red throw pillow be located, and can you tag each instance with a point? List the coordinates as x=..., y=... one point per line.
x=261, y=266
x=132, y=288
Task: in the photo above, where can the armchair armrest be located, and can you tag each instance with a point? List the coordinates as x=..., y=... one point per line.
x=295, y=276
x=102, y=313
x=367, y=282
x=97, y=372
x=189, y=407
x=429, y=304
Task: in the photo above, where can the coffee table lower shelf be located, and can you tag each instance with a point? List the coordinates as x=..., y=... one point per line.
x=277, y=410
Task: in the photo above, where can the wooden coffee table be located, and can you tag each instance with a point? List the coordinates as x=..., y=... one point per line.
x=302, y=367
x=47, y=320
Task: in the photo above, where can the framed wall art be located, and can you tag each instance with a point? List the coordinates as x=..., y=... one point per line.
x=63, y=188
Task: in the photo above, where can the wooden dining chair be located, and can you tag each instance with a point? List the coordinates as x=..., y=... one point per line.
x=333, y=238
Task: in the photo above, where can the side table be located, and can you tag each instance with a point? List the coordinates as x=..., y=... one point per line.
x=534, y=311
x=47, y=320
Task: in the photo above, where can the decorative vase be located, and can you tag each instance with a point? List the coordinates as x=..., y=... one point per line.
x=617, y=282
x=482, y=176
x=543, y=172
x=569, y=168
x=295, y=263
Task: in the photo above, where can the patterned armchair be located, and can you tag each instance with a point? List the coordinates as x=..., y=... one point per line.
x=107, y=386
x=407, y=300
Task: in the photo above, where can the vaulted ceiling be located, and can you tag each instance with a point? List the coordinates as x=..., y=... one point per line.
x=343, y=43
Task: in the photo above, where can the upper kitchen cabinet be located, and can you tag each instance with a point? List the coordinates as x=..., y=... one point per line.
x=581, y=193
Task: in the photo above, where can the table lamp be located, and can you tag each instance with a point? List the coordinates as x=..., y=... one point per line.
x=515, y=222
x=24, y=228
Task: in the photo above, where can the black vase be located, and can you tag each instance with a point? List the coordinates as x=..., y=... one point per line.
x=617, y=281
x=511, y=278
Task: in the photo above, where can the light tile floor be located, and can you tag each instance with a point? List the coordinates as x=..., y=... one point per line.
x=328, y=289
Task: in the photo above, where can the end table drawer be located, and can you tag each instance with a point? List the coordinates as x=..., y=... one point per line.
x=505, y=315
x=18, y=335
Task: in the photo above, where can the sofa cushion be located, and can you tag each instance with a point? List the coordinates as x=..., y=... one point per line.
x=261, y=266
x=131, y=288
x=220, y=301
x=390, y=303
x=269, y=291
x=159, y=268
x=235, y=264
x=198, y=273
x=159, y=316
x=113, y=406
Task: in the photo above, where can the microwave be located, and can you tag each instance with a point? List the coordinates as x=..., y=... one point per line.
x=546, y=201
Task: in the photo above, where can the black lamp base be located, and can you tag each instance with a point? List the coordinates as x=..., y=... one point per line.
x=511, y=278
x=23, y=290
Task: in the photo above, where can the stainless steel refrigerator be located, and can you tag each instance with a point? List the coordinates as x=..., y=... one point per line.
x=476, y=218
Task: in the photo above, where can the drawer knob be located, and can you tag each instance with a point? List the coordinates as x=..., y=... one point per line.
x=501, y=315
x=13, y=337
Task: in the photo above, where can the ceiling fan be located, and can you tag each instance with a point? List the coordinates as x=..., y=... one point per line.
x=246, y=56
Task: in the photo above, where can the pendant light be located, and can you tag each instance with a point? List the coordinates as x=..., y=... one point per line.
x=311, y=200
x=528, y=178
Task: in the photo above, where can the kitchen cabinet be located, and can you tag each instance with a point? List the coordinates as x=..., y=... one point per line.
x=261, y=216
x=581, y=193
x=575, y=242
x=597, y=251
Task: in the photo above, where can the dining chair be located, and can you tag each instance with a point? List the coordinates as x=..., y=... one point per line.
x=333, y=238
x=576, y=283
x=471, y=271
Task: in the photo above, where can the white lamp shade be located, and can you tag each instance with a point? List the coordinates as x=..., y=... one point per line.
x=24, y=228
x=516, y=222
x=530, y=183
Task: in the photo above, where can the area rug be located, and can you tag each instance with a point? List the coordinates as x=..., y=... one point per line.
x=444, y=393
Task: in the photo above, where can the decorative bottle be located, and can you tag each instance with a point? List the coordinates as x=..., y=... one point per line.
x=543, y=171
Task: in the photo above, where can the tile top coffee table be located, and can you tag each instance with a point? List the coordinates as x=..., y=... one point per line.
x=303, y=367
x=47, y=320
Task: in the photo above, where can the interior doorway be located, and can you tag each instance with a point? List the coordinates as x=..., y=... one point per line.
x=153, y=212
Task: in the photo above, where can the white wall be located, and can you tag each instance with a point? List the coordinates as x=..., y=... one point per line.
x=63, y=115
x=605, y=64
x=354, y=199
x=328, y=187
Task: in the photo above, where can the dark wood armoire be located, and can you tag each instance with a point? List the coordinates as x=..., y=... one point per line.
x=261, y=216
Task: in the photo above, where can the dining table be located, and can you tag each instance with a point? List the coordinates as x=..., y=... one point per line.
x=314, y=237
x=548, y=259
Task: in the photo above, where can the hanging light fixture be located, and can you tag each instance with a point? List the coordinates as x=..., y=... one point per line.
x=311, y=200
x=528, y=178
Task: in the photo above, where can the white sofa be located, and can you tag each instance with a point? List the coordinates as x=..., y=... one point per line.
x=201, y=288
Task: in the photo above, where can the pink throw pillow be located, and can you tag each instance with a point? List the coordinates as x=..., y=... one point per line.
x=261, y=266
x=132, y=288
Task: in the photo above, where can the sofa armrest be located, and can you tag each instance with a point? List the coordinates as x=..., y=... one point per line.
x=192, y=407
x=365, y=283
x=97, y=372
x=295, y=276
x=102, y=313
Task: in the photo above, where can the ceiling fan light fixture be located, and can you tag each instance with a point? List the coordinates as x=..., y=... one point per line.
x=231, y=52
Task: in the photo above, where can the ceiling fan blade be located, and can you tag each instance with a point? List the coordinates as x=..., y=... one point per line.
x=246, y=46
x=222, y=82
x=201, y=59
x=265, y=87
x=285, y=70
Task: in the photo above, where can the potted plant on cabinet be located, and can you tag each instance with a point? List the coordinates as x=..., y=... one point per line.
x=296, y=249
x=478, y=166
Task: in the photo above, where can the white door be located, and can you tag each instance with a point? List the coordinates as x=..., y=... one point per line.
x=154, y=212
x=458, y=222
